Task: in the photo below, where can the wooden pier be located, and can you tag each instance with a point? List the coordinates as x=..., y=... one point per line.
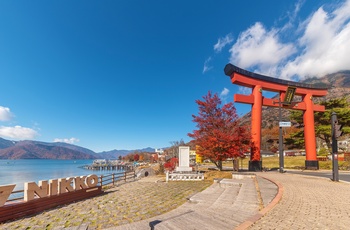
x=110, y=166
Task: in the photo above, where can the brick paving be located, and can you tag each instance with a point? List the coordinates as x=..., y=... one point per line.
x=303, y=202
x=308, y=203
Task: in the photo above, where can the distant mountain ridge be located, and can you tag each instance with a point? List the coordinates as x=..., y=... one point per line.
x=116, y=153
x=56, y=150
x=6, y=143
x=335, y=80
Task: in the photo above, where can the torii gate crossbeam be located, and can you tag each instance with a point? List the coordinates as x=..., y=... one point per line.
x=258, y=83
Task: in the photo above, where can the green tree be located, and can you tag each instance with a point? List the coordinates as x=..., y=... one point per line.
x=322, y=122
x=322, y=152
x=295, y=140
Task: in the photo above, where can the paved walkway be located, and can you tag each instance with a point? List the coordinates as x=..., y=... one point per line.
x=270, y=201
x=308, y=203
x=224, y=205
x=300, y=202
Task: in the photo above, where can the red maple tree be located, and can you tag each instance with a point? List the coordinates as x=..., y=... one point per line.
x=219, y=135
x=136, y=157
x=171, y=164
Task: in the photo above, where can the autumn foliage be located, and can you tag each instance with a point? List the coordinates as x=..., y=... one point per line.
x=171, y=164
x=219, y=135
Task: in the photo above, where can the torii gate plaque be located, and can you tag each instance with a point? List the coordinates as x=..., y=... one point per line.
x=258, y=83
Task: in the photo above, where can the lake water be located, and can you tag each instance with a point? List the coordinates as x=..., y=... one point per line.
x=20, y=171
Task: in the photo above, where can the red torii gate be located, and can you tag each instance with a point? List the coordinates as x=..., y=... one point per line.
x=258, y=83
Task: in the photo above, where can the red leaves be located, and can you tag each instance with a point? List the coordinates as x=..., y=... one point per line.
x=136, y=157
x=219, y=135
x=171, y=164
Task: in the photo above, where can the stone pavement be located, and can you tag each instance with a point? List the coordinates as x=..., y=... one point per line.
x=224, y=205
x=271, y=200
x=302, y=202
x=307, y=203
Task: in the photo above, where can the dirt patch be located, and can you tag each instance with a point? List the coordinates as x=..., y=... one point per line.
x=211, y=175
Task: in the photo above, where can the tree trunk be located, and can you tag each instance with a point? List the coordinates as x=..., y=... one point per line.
x=220, y=165
x=235, y=163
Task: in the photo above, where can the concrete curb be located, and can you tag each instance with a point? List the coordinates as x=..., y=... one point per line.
x=250, y=221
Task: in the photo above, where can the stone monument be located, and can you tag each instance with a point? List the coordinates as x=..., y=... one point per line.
x=184, y=159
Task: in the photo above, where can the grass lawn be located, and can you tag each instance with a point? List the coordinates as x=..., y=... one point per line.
x=297, y=162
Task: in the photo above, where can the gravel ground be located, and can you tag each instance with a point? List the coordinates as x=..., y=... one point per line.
x=125, y=203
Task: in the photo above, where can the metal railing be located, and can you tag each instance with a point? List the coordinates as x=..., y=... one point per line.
x=15, y=195
x=116, y=178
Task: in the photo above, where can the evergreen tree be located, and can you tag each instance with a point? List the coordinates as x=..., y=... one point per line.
x=322, y=122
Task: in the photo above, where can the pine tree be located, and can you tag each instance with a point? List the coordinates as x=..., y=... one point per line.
x=322, y=122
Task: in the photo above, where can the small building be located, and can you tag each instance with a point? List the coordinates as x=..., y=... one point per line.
x=159, y=151
x=192, y=156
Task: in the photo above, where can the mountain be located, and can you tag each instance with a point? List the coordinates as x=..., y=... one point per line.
x=56, y=150
x=6, y=143
x=116, y=153
x=41, y=150
x=339, y=79
x=72, y=147
x=338, y=86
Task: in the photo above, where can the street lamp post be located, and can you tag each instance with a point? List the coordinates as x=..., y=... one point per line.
x=335, y=135
x=288, y=98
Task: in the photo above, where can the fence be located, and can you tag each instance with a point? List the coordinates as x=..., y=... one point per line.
x=115, y=178
x=184, y=176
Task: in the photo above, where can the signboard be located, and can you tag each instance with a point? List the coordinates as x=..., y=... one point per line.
x=285, y=124
x=50, y=188
x=289, y=95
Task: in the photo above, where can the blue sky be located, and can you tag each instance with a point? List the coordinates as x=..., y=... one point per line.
x=125, y=74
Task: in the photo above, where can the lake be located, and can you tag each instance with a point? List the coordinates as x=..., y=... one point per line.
x=33, y=170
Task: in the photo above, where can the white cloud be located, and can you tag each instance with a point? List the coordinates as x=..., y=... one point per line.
x=206, y=66
x=5, y=114
x=292, y=16
x=320, y=45
x=325, y=44
x=223, y=95
x=222, y=42
x=17, y=132
x=244, y=90
x=257, y=47
x=224, y=92
x=67, y=140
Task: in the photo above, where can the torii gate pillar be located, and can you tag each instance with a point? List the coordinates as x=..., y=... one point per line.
x=255, y=158
x=258, y=83
x=309, y=133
